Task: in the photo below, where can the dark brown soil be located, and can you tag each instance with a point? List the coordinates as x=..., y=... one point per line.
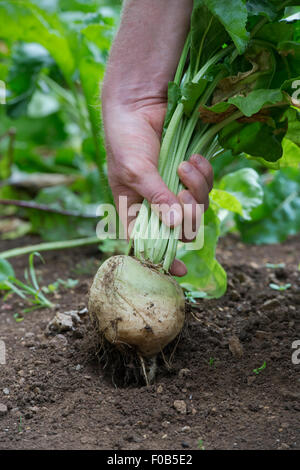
x=57, y=397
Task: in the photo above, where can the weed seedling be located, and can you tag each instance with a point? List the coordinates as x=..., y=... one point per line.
x=30, y=292
x=275, y=266
x=258, y=371
x=193, y=295
x=211, y=361
x=200, y=445
x=280, y=288
x=18, y=318
x=69, y=284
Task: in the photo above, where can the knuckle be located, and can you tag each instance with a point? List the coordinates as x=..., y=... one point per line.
x=160, y=197
x=205, y=168
x=130, y=173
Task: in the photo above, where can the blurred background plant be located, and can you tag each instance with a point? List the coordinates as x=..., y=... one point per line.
x=52, y=156
x=52, y=60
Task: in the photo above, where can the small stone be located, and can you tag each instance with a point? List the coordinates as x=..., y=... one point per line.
x=29, y=334
x=241, y=277
x=270, y=304
x=284, y=446
x=235, y=346
x=288, y=395
x=60, y=323
x=83, y=311
x=6, y=391
x=251, y=379
x=285, y=425
x=78, y=367
x=184, y=373
x=34, y=409
x=186, y=429
x=234, y=295
x=74, y=316
x=16, y=412
x=180, y=406
x=59, y=341
x=3, y=409
x=262, y=335
x=85, y=440
x=160, y=389
x=254, y=408
x=165, y=424
x=185, y=445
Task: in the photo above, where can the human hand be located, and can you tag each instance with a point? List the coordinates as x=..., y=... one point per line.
x=133, y=135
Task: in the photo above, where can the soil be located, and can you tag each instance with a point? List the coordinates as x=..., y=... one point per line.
x=54, y=394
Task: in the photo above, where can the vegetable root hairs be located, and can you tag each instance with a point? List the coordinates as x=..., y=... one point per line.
x=125, y=367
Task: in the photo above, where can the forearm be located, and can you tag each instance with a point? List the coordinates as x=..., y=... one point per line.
x=146, y=50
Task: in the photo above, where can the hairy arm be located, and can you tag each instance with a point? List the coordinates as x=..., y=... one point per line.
x=146, y=51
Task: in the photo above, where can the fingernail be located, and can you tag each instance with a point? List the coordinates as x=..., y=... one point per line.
x=197, y=159
x=185, y=167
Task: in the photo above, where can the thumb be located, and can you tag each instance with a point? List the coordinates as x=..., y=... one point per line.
x=151, y=186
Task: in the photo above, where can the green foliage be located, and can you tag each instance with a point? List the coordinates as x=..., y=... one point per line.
x=260, y=369
x=279, y=214
x=29, y=290
x=262, y=8
x=204, y=272
x=68, y=284
x=241, y=67
x=245, y=187
x=256, y=139
x=275, y=266
x=200, y=445
x=256, y=100
x=57, y=58
x=52, y=226
x=192, y=296
x=233, y=17
x=6, y=271
x=22, y=20
x=28, y=60
x=281, y=288
x=232, y=93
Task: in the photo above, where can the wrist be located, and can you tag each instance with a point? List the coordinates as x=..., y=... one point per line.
x=131, y=97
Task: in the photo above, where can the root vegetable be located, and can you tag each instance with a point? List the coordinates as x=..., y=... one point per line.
x=230, y=93
x=136, y=305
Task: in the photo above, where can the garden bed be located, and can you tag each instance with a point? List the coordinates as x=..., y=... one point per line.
x=56, y=396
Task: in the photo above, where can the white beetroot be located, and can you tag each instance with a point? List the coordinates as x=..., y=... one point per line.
x=136, y=305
